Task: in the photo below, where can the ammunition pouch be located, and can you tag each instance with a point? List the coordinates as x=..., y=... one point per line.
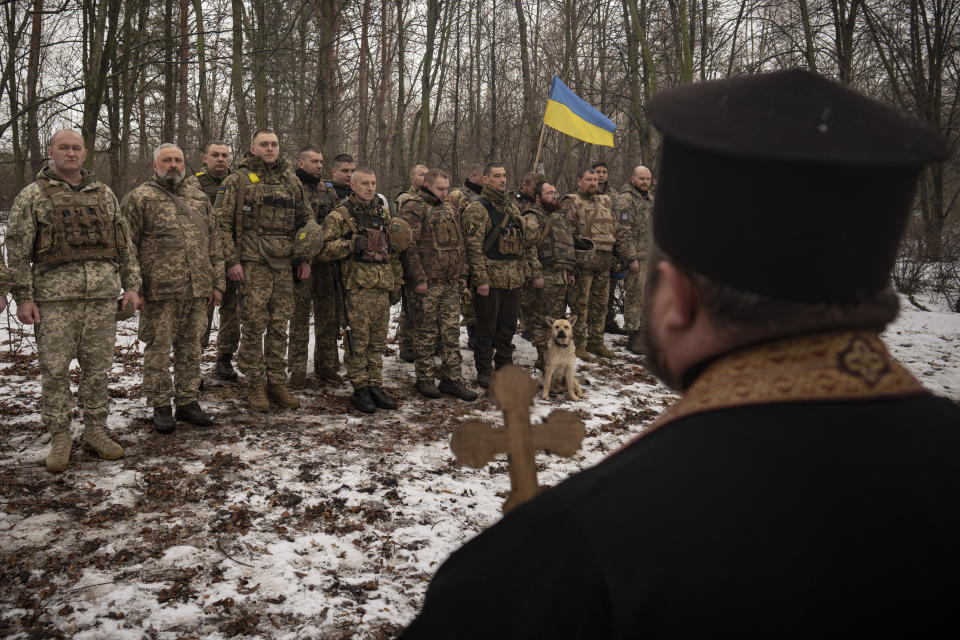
x=585, y=252
x=371, y=245
x=80, y=229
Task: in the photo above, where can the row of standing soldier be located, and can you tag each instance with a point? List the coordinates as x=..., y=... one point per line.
x=252, y=239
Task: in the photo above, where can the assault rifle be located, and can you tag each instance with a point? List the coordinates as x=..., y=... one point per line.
x=342, y=299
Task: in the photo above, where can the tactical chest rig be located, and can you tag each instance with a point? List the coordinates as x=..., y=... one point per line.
x=373, y=228
x=556, y=243
x=504, y=241
x=444, y=227
x=80, y=228
x=272, y=210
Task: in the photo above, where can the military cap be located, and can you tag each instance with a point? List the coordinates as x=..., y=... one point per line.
x=308, y=241
x=786, y=184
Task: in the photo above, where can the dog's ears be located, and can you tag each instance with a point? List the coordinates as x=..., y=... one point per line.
x=572, y=320
x=548, y=320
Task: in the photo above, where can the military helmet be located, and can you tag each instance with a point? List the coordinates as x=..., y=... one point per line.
x=584, y=249
x=308, y=241
x=399, y=233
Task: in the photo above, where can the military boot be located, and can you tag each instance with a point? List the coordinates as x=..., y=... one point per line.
x=282, y=396
x=257, y=397
x=611, y=326
x=61, y=442
x=381, y=399
x=636, y=343
x=96, y=439
x=192, y=413
x=362, y=400
x=581, y=353
x=408, y=355
x=483, y=378
x=471, y=339
x=224, y=368
x=163, y=421
x=298, y=380
x=457, y=389
x=331, y=377
x=600, y=349
x=428, y=388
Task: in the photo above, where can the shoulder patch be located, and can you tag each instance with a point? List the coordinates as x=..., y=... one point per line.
x=222, y=190
x=200, y=173
x=254, y=178
x=472, y=228
x=624, y=215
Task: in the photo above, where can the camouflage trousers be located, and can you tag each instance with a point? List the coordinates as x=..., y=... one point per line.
x=549, y=301
x=177, y=325
x=438, y=332
x=633, y=298
x=593, y=290
x=81, y=330
x=266, y=307
x=466, y=307
x=369, y=313
x=316, y=293
x=228, y=335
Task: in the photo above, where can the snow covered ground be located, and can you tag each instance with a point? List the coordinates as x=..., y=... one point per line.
x=317, y=523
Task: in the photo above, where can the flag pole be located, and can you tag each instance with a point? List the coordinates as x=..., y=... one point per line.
x=536, y=163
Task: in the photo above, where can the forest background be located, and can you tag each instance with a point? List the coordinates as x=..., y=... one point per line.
x=447, y=83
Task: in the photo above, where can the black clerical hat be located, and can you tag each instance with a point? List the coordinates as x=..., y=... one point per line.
x=786, y=184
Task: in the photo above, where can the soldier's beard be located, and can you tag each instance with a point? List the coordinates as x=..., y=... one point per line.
x=172, y=177
x=550, y=206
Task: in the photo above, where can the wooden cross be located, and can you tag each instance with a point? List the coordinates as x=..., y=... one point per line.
x=475, y=443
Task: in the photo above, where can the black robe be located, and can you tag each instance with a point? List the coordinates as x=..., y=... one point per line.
x=753, y=517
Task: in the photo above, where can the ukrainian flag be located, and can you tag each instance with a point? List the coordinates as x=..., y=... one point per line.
x=568, y=113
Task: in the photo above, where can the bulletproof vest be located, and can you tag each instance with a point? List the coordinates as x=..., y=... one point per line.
x=504, y=241
x=320, y=201
x=599, y=223
x=374, y=227
x=80, y=229
x=556, y=243
x=273, y=207
x=446, y=231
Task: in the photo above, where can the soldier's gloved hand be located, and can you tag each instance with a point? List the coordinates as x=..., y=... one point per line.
x=359, y=244
x=421, y=288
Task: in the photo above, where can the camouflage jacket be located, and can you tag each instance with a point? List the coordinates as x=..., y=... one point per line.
x=180, y=252
x=606, y=190
x=206, y=182
x=403, y=197
x=596, y=212
x=559, y=229
x=634, y=210
x=323, y=199
x=499, y=274
x=436, y=252
x=461, y=197
x=261, y=227
x=32, y=215
x=339, y=228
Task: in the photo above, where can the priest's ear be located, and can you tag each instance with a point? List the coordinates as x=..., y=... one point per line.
x=676, y=301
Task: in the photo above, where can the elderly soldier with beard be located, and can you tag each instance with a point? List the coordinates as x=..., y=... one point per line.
x=634, y=208
x=216, y=166
x=356, y=235
x=260, y=207
x=557, y=263
x=69, y=251
x=181, y=259
x=805, y=484
x=406, y=324
x=499, y=253
x=435, y=264
x=315, y=291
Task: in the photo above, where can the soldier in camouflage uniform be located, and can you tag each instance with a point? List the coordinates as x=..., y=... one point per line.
x=69, y=251
x=604, y=188
x=557, y=263
x=407, y=326
x=260, y=207
x=497, y=245
x=181, y=262
x=315, y=291
x=435, y=268
x=216, y=167
x=355, y=234
x=591, y=216
x=634, y=208
x=460, y=198
x=525, y=198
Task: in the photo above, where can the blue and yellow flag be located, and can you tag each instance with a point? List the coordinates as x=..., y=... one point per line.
x=568, y=113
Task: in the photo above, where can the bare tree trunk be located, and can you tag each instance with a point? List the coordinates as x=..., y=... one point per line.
x=258, y=30
x=100, y=36
x=424, y=139
x=364, y=89
x=236, y=75
x=808, y=52
x=204, y=114
x=183, y=104
x=33, y=67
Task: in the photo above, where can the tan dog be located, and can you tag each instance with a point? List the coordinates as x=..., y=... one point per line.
x=559, y=358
